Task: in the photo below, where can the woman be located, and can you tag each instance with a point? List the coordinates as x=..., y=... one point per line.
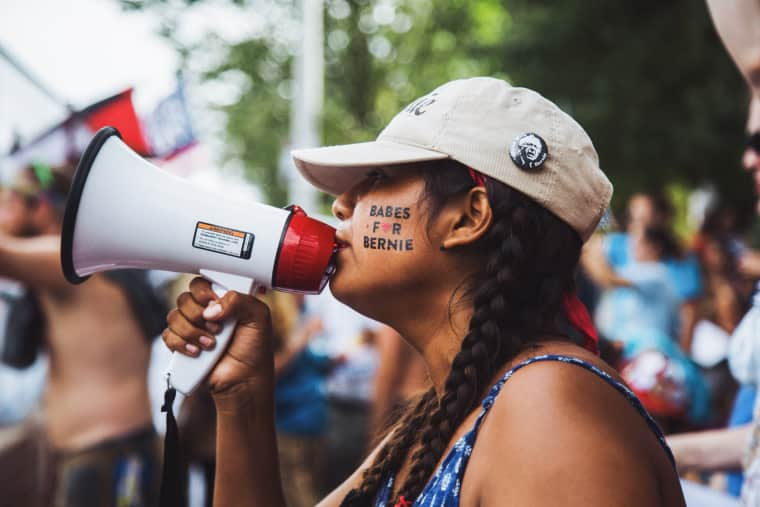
x=464, y=238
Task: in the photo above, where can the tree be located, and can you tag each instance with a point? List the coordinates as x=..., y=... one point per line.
x=649, y=80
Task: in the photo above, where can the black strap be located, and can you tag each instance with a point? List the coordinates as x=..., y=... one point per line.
x=25, y=330
x=148, y=304
x=171, y=496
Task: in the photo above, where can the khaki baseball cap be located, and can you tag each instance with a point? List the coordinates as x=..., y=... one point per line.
x=511, y=134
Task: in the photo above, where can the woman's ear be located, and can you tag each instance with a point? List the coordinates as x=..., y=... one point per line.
x=469, y=217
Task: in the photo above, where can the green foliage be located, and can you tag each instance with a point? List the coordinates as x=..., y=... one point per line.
x=649, y=80
x=257, y=124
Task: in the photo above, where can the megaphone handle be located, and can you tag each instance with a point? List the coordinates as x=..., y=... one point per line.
x=185, y=372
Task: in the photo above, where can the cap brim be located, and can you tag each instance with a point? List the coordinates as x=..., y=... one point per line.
x=335, y=169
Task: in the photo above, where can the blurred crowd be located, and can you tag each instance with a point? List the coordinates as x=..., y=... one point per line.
x=667, y=309
x=81, y=366
x=81, y=375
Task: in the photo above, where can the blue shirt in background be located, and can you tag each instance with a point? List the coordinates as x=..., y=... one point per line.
x=300, y=396
x=658, y=308
x=741, y=413
x=684, y=273
x=652, y=302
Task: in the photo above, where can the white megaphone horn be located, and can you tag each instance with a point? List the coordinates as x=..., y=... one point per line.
x=124, y=212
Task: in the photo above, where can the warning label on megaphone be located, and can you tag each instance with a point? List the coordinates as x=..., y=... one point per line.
x=223, y=240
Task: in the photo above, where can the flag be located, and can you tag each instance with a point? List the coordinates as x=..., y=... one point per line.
x=118, y=112
x=169, y=127
x=65, y=142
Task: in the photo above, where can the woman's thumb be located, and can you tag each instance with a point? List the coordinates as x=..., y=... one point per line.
x=243, y=307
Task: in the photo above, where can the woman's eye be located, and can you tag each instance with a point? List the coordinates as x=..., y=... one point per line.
x=375, y=176
x=370, y=181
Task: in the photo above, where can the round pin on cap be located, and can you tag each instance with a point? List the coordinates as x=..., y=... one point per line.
x=528, y=151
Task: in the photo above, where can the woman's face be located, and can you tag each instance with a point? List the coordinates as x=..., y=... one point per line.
x=388, y=253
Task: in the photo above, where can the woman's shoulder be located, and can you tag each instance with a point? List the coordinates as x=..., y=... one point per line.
x=546, y=360
x=565, y=380
x=559, y=378
x=561, y=421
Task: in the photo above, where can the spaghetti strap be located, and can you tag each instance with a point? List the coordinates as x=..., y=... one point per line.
x=629, y=395
x=443, y=488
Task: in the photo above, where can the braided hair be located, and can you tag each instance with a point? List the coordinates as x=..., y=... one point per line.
x=517, y=297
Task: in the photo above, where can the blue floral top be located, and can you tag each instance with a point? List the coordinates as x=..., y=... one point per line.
x=443, y=488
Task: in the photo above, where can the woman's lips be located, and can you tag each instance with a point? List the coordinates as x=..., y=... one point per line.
x=340, y=243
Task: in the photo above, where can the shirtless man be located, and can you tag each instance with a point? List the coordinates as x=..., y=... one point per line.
x=96, y=409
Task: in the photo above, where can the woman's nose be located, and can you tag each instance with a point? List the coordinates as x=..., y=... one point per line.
x=343, y=206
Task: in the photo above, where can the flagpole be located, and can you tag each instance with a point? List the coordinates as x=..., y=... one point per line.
x=8, y=57
x=308, y=73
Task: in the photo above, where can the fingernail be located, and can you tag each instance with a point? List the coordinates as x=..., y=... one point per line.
x=212, y=310
x=207, y=342
x=214, y=327
x=191, y=348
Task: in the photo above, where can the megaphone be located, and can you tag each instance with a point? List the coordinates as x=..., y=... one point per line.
x=124, y=212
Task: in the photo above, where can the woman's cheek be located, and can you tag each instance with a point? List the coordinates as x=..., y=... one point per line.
x=387, y=227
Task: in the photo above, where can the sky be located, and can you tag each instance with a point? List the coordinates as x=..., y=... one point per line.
x=86, y=50
x=81, y=51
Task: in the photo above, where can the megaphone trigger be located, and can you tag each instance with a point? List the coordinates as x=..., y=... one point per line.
x=185, y=373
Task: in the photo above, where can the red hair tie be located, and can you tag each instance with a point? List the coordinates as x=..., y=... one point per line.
x=402, y=502
x=579, y=318
x=477, y=177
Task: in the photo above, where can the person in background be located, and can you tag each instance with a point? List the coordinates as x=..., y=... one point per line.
x=300, y=399
x=725, y=299
x=605, y=257
x=21, y=383
x=650, y=300
x=727, y=291
x=101, y=445
x=644, y=319
x=351, y=337
x=738, y=24
x=20, y=393
x=733, y=448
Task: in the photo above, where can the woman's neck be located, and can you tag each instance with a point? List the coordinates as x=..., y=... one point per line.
x=436, y=332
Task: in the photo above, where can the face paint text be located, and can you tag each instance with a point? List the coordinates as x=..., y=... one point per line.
x=388, y=244
x=391, y=228
x=389, y=212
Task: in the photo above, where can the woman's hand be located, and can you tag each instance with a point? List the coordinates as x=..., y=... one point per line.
x=247, y=364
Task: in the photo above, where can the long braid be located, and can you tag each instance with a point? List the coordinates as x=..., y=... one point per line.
x=515, y=298
x=484, y=348
x=390, y=457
